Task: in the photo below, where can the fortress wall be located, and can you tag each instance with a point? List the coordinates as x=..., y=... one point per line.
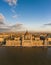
x=27, y=43
x=30, y=43
x=12, y=43
x=37, y=43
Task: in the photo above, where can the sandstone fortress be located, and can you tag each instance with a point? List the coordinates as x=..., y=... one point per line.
x=26, y=39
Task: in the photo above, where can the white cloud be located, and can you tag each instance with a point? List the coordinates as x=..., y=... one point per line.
x=11, y=2
x=15, y=16
x=17, y=27
x=2, y=19
x=4, y=27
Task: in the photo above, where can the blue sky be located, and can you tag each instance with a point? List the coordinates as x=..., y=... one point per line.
x=33, y=14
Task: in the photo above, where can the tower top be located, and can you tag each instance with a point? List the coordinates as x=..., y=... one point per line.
x=27, y=33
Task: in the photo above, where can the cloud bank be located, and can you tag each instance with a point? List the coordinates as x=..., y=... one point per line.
x=48, y=24
x=4, y=27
